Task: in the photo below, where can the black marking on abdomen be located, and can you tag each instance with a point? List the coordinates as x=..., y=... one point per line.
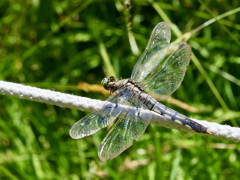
x=151, y=104
x=159, y=108
x=194, y=125
x=147, y=100
x=185, y=121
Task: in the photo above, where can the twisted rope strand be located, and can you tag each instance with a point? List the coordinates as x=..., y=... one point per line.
x=87, y=104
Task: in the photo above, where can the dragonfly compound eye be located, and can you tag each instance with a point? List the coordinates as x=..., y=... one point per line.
x=105, y=83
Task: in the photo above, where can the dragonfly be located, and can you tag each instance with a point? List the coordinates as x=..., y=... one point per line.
x=131, y=98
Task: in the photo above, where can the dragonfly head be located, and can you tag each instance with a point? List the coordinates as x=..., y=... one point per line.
x=108, y=83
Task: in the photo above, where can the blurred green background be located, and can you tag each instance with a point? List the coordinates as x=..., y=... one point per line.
x=57, y=44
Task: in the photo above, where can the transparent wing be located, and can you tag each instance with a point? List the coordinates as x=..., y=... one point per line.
x=130, y=125
x=154, y=53
x=169, y=77
x=106, y=114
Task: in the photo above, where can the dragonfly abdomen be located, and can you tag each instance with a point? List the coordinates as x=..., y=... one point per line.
x=159, y=108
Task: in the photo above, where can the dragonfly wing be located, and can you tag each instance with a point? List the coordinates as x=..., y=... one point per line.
x=101, y=118
x=130, y=125
x=169, y=77
x=154, y=53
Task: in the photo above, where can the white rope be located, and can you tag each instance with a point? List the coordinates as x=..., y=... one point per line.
x=86, y=104
x=48, y=96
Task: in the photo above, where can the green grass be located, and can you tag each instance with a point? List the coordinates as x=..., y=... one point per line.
x=57, y=44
